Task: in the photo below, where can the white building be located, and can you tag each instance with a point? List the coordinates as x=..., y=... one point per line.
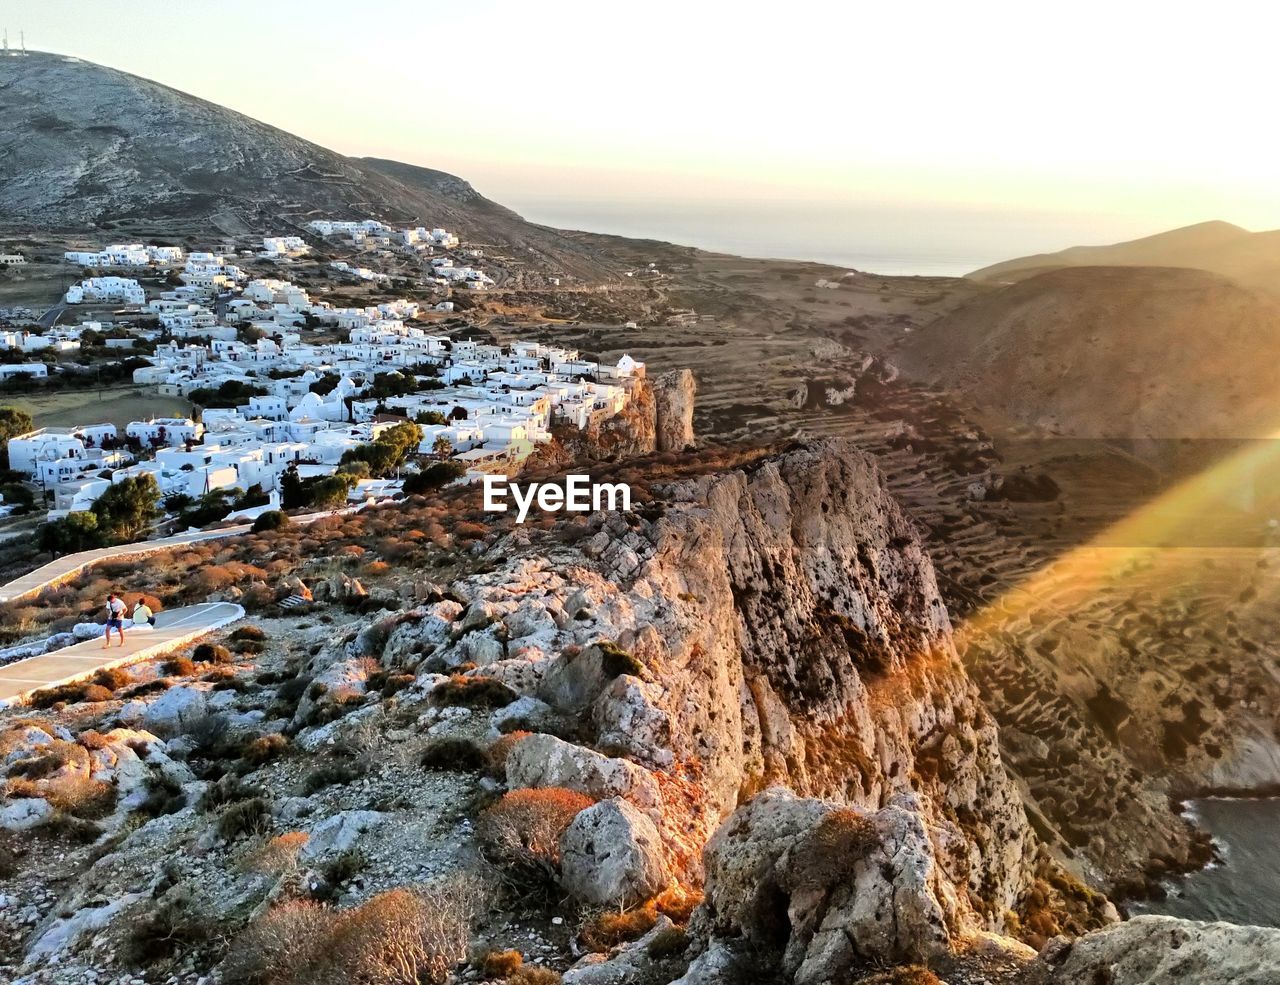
x=101, y=289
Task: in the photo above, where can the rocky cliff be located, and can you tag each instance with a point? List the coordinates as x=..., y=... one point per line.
x=747, y=684
x=658, y=417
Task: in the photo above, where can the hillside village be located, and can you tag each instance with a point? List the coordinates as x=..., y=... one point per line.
x=288, y=383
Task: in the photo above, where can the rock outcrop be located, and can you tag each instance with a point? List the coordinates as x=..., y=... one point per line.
x=612, y=855
x=777, y=625
x=673, y=396
x=828, y=886
x=1163, y=951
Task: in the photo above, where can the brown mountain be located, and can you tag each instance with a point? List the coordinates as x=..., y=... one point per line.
x=84, y=145
x=1113, y=351
x=1251, y=258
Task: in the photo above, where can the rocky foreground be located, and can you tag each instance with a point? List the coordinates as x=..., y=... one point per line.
x=725, y=738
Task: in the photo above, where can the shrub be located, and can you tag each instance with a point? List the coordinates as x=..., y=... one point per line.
x=678, y=904
x=522, y=830
x=617, y=661
x=344, y=866
x=264, y=748
x=70, y=694
x=400, y=937
x=113, y=678
x=327, y=775
x=473, y=692
x=454, y=753
x=279, y=854
x=159, y=933
x=212, y=653
x=227, y=790
x=270, y=520
x=78, y=796
x=496, y=754
x=178, y=667
x=535, y=976
x=248, y=633
x=831, y=849
x=611, y=929
x=164, y=796
x=500, y=964
x=245, y=817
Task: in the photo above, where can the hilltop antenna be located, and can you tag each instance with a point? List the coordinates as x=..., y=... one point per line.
x=22, y=36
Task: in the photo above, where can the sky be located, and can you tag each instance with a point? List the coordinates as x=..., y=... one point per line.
x=1124, y=118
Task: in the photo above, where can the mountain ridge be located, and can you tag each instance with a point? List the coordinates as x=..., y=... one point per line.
x=88, y=146
x=1250, y=258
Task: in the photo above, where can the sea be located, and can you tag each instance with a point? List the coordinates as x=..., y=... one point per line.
x=904, y=241
x=1244, y=886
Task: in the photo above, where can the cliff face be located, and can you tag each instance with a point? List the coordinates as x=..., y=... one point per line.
x=674, y=394
x=794, y=634
x=658, y=417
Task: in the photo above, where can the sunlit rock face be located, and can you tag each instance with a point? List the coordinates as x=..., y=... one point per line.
x=772, y=626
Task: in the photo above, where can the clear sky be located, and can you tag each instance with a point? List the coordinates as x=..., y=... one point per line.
x=1143, y=115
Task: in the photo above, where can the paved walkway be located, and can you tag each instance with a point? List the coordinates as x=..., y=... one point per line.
x=72, y=564
x=174, y=628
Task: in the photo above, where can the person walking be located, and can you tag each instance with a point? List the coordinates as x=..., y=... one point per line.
x=115, y=619
x=142, y=614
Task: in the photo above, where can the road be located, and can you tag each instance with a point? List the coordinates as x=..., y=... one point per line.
x=50, y=317
x=173, y=628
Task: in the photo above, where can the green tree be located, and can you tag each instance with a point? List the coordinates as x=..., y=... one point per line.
x=76, y=531
x=433, y=477
x=127, y=509
x=442, y=447
x=431, y=417
x=13, y=422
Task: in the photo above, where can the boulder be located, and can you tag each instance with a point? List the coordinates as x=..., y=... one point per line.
x=545, y=761
x=574, y=680
x=527, y=714
x=841, y=886
x=630, y=964
x=1152, y=950
x=25, y=813
x=173, y=710
x=335, y=835
x=612, y=855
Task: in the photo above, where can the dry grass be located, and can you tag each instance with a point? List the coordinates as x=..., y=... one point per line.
x=499, y=749
x=832, y=848
x=522, y=831
x=608, y=930
x=473, y=692
x=500, y=964
x=400, y=937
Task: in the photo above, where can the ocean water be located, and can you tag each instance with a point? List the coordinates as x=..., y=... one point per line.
x=1245, y=886
x=880, y=239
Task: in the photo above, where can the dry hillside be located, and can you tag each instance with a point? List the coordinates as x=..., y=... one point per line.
x=1104, y=352
x=1251, y=258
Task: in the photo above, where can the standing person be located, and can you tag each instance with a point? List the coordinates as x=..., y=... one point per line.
x=142, y=613
x=115, y=619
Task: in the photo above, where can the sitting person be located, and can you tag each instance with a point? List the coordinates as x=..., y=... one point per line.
x=142, y=614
